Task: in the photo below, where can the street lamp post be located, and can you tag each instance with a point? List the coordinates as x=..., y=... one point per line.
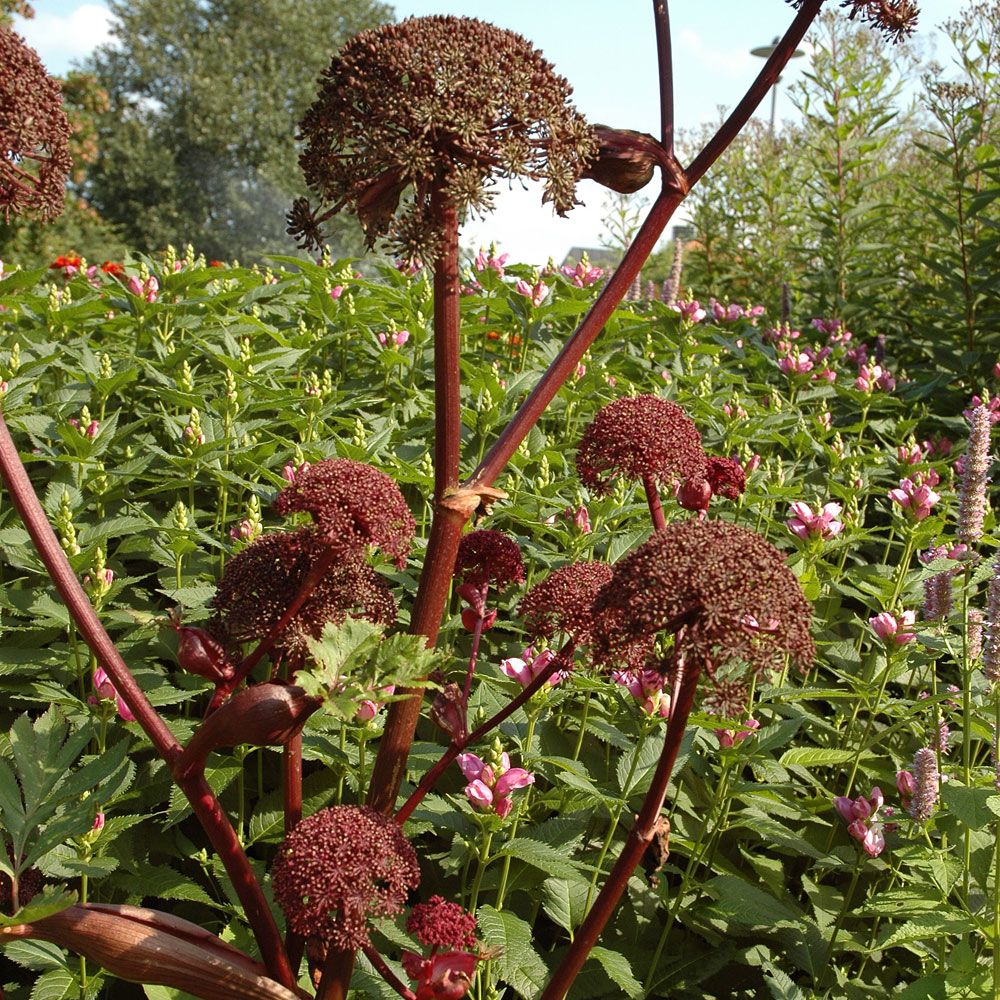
x=763, y=52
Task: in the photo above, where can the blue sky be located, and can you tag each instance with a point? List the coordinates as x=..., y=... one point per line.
x=606, y=51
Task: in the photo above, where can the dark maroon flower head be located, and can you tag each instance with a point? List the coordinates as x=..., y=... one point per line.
x=726, y=477
x=260, y=583
x=639, y=436
x=488, y=557
x=435, y=104
x=29, y=884
x=34, y=133
x=354, y=505
x=440, y=924
x=731, y=590
x=563, y=603
x=896, y=19
x=339, y=868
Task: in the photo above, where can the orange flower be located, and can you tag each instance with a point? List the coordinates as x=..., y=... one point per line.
x=113, y=268
x=68, y=261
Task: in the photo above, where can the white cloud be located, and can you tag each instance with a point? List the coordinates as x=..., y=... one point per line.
x=62, y=38
x=735, y=64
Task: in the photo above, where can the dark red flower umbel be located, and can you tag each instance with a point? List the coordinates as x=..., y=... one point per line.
x=338, y=869
x=728, y=586
x=563, y=603
x=34, y=133
x=354, y=505
x=726, y=477
x=896, y=19
x=638, y=437
x=440, y=924
x=450, y=933
x=488, y=558
x=260, y=582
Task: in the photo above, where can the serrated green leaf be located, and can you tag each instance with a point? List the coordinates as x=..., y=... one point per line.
x=541, y=856
x=35, y=955
x=56, y=984
x=52, y=899
x=565, y=901
x=744, y=903
x=618, y=969
x=815, y=757
x=519, y=965
x=970, y=805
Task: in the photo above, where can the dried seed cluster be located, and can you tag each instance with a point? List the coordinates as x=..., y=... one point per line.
x=354, y=505
x=260, y=583
x=488, y=557
x=738, y=599
x=339, y=868
x=639, y=436
x=896, y=19
x=34, y=133
x=563, y=602
x=444, y=104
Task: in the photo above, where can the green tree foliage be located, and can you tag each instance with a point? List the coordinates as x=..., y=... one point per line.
x=198, y=144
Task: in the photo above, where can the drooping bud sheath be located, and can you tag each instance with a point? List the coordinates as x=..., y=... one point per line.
x=625, y=161
x=145, y=946
x=694, y=494
x=199, y=653
x=264, y=715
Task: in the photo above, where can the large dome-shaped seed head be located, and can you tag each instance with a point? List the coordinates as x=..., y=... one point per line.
x=339, y=868
x=486, y=556
x=435, y=103
x=34, y=133
x=639, y=436
x=737, y=598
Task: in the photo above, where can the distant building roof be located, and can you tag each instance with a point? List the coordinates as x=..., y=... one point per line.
x=598, y=256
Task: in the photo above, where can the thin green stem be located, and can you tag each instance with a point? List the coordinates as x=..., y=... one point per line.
x=484, y=860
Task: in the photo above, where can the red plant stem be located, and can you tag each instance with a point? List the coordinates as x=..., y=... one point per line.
x=206, y=806
x=223, y=838
x=335, y=980
x=653, y=500
x=291, y=766
x=386, y=973
x=316, y=573
x=758, y=91
x=636, y=844
x=458, y=745
x=664, y=53
x=447, y=327
x=22, y=493
x=477, y=635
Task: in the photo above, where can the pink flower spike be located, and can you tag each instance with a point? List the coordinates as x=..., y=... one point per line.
x=336, y=292
x=845, y=807
x=401, y=338
x=478, y=793
x=889, y=628
x=873, y=842
x=471, y=765
x=511, y=779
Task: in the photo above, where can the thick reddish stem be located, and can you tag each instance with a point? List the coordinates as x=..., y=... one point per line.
x=653, y=500
x=336, y=978
x=206, y=806
x=386, y=973
x=636, y=844
x=457, y=746
x=664, y=53
x=447, y=343
x=291, y=768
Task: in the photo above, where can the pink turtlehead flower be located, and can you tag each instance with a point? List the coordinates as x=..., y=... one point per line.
x=491, y=262
x=872, y=377
x=336, y=292
x=691, y=312
x=490, y=791
x=148, y=289
x=795, y=363
x=728, y=738
x=369, y=708
x=443, y=975
x=823, y=524
x=106, y=690
x=891, y=629
x=726, y=313
x=863, y=821
x=526, y=667
x=98, y=822
x=536, y=292
x=583, y=275
x=910, y=454
x=580, y=518
x=646, y=686
x=915, y=498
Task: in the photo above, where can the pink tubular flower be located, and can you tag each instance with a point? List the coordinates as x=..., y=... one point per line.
x=912, y=454
x=823, y=524
x=795, y=363
x=872, y=377
x=916, y=499
x=890, y=628
x=369, y=708
x=526, y=667
x=489, y=790
x=106, y=690
x=336, y=292
x=536, y=292
x=491, y=262
x=691, y=312
x=863, y=821
x=583, y=275
x=580, y=518
x=646, y=686
x=728, y=738
x=148, y=289
x=443, y=975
